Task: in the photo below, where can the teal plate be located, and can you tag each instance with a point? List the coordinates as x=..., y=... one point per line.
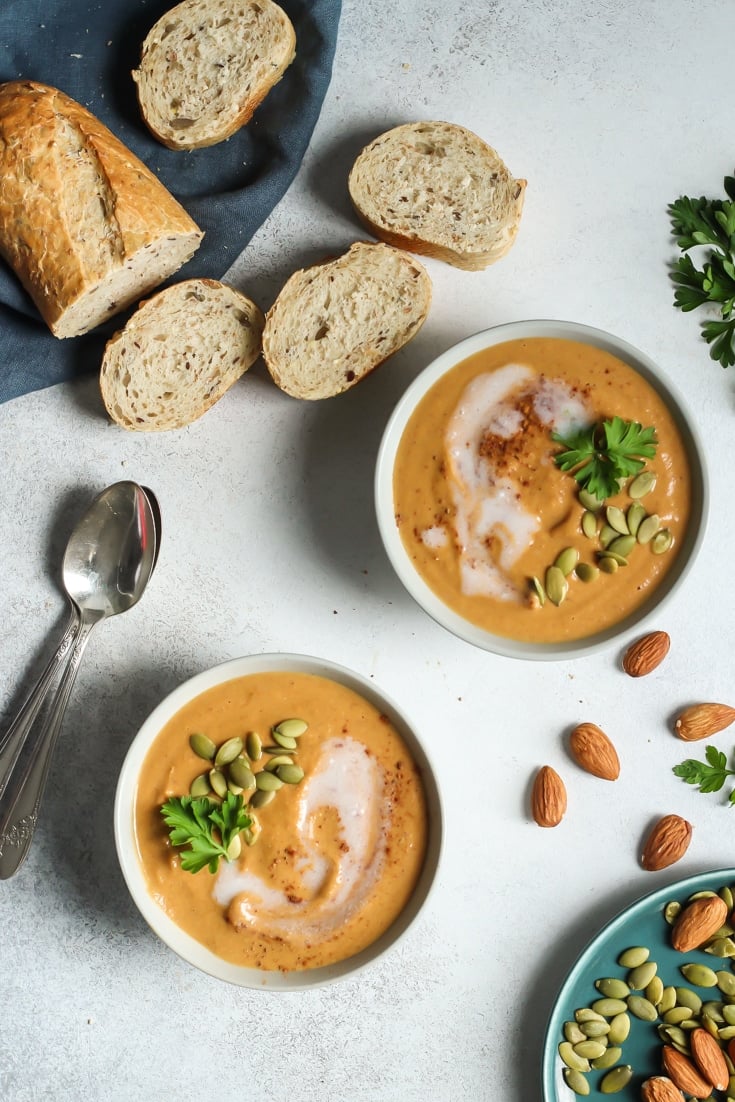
x=642, y=923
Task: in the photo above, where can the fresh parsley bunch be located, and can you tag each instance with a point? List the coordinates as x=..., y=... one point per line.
x=708, y=222
x=205, y=826
x=709, y=775
x=603, y=453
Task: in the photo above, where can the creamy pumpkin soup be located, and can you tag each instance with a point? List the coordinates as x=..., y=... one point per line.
x=337, y=829
x=505, y=537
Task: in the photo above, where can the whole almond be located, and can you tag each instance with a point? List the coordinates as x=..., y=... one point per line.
x=683, y=1073
x=709, y=1058
x=666, y=844
x=703, y=720
x=548, y=797
x=697, y=922
x=646, y=653
x=660, y=1089
x=593, y=751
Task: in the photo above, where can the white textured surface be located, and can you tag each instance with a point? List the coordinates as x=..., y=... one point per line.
x=611, y=110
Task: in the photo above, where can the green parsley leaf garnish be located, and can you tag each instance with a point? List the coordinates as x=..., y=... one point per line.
x=709, y=223
x=601, y=454
x=709, y=775
x=205, y=826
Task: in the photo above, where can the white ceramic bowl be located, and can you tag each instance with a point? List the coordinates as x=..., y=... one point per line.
x=182, y=943
x=385, y=509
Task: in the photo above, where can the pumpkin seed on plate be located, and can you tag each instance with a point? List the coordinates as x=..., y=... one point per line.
x=686, y=997
x=654, y=991
x=713, y=1010
x=595, y=1030
x=631, y=958
x=641, y=1008
x=640, y=977
x=671, y=911
x=668, y=1000
x=610, y=1056
x=725, y=893
x=608, y=1008
x=612, y=988
x=572, y=1033
x=642, y=484
x=676, y=1015
x=699, y=974
x=619, y=1028
x=616, y=1079
x=576, y=1081
x=590, y=1049
x=726, y=982
x=202, y=746
x=586, y=1014
x=571, y=1059
x=721, y=947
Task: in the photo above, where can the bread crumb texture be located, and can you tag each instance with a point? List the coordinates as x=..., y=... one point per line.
x=438, y=189
x=334, y=323
x=207, y=64
x=86, y=227
x=178, y=354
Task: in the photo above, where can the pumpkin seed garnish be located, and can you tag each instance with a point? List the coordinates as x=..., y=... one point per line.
x=538, y=589
x=590, y=502
x=202, y=746
x=608, y=564
x=648, y=528
x=218, y=782
x=623, y=545
x=589, y=524
x=267, y=782
x=241, y=773
x=291, y=728
x=621, y=560
x=276, y=760
x=228, y=751
x=293, y=774
x=253, y=745
x=642, y=484
x=261, y=797
x=235, y=848
x=662, y=541
x=287, y=742
x=608, y=534
x=636, y=513
x=253, y=832
x=616, y=519
x=200, y=786
x=586, y=572
x=557, y=585
x=566, y=560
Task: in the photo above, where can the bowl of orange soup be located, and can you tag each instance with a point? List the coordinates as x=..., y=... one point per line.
x=277, y=822
x=497, y=536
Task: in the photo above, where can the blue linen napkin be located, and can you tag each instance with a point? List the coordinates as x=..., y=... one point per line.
x=87, y=48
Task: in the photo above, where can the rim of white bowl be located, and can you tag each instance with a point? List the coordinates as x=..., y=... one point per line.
x=385, y=511
x=185, y=946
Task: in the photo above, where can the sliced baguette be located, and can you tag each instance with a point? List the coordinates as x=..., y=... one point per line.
x=438, y=189
x=207, y=64
x=334, y=323
x=178, y=354
x=87, y=228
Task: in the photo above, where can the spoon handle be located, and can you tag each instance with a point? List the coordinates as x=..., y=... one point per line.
x=13, y=741
x=21, y=799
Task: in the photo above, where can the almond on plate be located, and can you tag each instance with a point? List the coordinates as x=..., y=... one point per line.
x=703, y=720
x=548, y=797
x=709, y=1058
x=698, y=921
x=683, y=1073
x=646, y=653
x=667, y=842
x=594, y=752
x=660, y=1089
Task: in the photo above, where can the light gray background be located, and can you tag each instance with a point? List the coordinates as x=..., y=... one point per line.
x=611, y=110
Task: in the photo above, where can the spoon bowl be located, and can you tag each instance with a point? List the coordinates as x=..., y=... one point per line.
x=108, y=562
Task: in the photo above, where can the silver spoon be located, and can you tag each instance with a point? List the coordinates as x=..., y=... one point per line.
x=108, y=562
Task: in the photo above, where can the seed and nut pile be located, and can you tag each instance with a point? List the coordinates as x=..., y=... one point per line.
x=615, y=533
x=695, y=1022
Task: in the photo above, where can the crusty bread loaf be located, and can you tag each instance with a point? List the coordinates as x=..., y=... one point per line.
x=84, y=224
x=178, y=354
x=207, y=64
x=438, y=189
x=333, y=323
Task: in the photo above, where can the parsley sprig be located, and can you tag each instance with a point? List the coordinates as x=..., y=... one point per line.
x=601, y=454
x=709, y=775
x=205, y=826
x=711, y=223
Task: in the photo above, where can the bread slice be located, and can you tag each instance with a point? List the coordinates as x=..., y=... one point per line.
x=207, y=64
x=334, y=323
x=438, y=189
x=86, y=226
x=178, y=354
